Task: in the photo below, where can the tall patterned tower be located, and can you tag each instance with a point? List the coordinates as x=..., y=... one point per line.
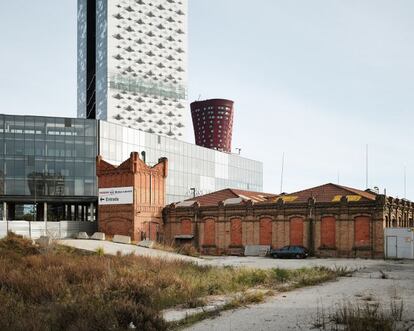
x=132, y=63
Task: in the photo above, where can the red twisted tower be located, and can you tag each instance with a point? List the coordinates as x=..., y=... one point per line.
x=213, y=123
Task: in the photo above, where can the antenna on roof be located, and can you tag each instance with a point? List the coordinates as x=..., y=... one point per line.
x=405, y=182
x=199, y=97
x=281, y=174
x=366, y=166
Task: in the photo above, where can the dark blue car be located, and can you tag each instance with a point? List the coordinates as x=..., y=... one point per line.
x=297, y=252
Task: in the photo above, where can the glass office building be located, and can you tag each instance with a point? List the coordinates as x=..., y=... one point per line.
x=191, y=169
x=48, y=167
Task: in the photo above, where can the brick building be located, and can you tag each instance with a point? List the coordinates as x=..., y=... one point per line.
x=143, y=218
x=331, y=220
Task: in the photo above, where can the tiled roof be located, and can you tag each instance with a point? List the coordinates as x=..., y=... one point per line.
x=323, y=193
x=215, y=198
x=329, y=193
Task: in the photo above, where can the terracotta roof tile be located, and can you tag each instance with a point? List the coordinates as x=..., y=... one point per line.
x=215, y=198
x=329, y=193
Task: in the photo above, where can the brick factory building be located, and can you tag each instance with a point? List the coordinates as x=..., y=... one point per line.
x=142, y=218
x=331, y=220
x=213, y=123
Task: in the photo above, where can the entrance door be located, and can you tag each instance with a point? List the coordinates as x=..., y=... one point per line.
x=391, y=247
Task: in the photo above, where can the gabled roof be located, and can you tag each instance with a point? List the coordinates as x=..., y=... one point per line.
x=329, y=193
x=230, y=196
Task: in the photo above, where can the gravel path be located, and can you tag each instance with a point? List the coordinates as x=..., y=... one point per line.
x=113, y=248
x=297, y=310
x=221, y=261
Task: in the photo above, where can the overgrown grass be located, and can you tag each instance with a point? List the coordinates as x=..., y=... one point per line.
x=67, y=289
x=185, y=249
x=241, y=299
x=366, y=316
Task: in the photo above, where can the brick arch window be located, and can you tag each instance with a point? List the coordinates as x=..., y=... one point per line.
x=328, y=231
x=265, y=231
x=296, y=231
x=236, y=232
x=362, y=231
x=209, y=232
x=186, y=227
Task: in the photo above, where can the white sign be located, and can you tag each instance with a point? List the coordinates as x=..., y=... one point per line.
x=116, y=196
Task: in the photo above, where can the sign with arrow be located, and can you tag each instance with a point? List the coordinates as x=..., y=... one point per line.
x=116, y=196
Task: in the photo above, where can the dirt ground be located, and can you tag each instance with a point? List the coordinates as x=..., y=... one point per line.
x=298, y=310
x=236, y=261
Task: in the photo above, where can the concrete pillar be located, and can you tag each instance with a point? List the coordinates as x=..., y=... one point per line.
x=91, y=208
x=5, y=216
x=5, y=211
x=45, y=216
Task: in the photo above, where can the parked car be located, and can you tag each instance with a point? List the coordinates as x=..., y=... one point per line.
x=298, y=252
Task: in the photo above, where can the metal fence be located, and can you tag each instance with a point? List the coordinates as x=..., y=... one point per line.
x=56, y=230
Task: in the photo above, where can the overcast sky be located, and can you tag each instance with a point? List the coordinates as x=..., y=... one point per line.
x=317, y=80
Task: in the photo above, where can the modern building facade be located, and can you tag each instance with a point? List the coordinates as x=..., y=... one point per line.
x=47, y=173
x=213, y=123
x=132, y=63
x=48, y=166
x=193, y=170
x=331, y=220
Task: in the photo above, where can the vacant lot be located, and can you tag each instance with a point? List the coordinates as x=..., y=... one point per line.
x=60, y=288
x=380, y=283
x=224, y=261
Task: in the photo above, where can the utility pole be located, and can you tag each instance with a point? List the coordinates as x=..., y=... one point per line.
x=366, y=166
x=281, y=174
x=405, y=182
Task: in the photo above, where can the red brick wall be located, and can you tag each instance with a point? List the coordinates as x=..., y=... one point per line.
x=265, y=231
x=296, y=231
x=151, y=230
x=186, y=228
x=236, y=232
x=328, y=231
x=209, y=233
x=149, y=200
x=362, y=232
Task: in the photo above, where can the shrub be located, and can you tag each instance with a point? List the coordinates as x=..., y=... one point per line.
x=281, y=275
x=100, y=251
x=17, y=245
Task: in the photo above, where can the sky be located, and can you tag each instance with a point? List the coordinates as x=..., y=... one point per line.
x=316, y=80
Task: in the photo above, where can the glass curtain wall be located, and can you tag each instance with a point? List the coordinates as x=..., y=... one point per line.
x=45, y=159
x=191, y=167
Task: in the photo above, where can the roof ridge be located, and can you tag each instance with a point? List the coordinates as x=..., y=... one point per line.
x=310, y=188
x=362, y=193
x=232, y=191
